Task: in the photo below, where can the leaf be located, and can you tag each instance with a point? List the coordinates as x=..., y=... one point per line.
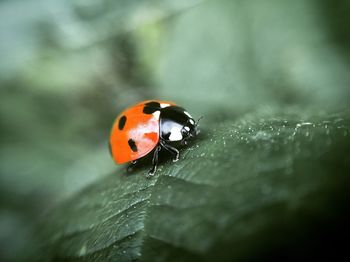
x=236, y=193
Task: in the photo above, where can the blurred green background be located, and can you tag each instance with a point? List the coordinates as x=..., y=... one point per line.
x=68, y=67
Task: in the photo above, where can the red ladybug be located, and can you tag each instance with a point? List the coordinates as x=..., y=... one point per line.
x=150, y=126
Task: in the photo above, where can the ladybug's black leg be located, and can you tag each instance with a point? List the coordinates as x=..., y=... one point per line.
x=172, y=150
x=130, y=167
x=154, y=161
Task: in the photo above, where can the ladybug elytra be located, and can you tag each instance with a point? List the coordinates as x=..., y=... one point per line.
x=150, y=126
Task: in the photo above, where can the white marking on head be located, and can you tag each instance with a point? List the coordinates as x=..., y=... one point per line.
x=162, y=105
x=187, y=114
x=156, y=114
x=191, y=121
x=187, y=128
x=175, y=134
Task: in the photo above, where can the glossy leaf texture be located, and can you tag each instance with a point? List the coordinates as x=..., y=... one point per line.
x=245, y=188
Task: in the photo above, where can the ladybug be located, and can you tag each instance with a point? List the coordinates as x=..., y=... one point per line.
x=148, y=127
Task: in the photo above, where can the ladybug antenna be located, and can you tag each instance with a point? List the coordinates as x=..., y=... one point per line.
x=197, y=123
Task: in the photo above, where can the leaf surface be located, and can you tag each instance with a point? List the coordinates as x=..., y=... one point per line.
x=237, y=191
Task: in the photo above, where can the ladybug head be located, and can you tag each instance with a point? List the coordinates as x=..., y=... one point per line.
x=190, y=129
x=176, y=124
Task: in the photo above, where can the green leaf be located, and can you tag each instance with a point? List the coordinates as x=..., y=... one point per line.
x=236, y=192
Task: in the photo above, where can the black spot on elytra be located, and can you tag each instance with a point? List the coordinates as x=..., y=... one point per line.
x=122, y=122
x=151, y=107
x=132, y=145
